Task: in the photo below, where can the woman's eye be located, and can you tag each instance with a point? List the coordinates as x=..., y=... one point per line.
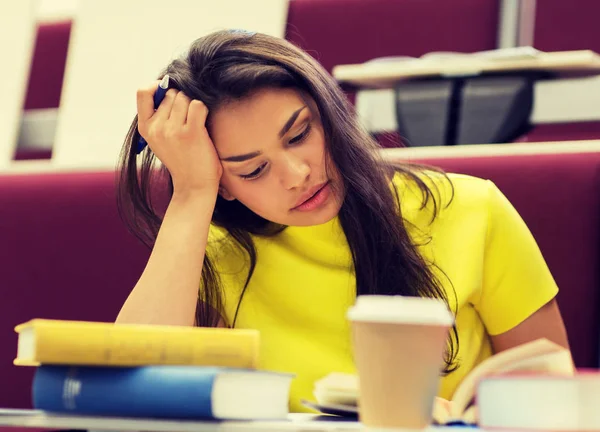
x=254, y=174
x=301, y=136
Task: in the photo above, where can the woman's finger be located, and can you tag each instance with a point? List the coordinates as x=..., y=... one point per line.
x=145, y=103
x=164, y=110
x=179, y=111
x=196, y=116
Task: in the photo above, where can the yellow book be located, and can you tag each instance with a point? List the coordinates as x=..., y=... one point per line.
x=43, y=341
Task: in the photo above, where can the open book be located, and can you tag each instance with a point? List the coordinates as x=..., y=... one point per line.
x=503, y=54
x=338, y=393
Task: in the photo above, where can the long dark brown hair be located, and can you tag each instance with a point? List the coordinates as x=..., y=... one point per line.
x=230, y=65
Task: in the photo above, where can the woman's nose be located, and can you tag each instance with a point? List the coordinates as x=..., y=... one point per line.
x=297, y=172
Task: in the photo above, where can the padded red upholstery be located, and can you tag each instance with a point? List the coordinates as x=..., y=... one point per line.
x=48, y=65
x=565, y=26
x=558, y=196
x=65, y=254
x=353, y=31
x=562, y=132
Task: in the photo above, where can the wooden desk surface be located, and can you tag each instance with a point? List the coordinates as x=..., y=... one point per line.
x=490, y=150
x=385, y=74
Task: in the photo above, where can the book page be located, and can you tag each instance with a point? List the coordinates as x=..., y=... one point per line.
x=507, y=361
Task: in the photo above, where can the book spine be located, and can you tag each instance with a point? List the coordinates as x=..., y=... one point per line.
x=114, y=346
x=154, y=391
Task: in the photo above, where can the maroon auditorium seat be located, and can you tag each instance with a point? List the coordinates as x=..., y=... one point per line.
x=46, y=75
x=558, y=196
x=48, y=65
x=353, y=31
x=566, y=26
x=65, y=254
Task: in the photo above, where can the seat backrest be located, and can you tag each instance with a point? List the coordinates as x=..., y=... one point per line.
x=48, y=65
x=566, y=26
x=17, y=21
x=558, y=196
x=562, y=132
x=65, y=254
x=353, y=31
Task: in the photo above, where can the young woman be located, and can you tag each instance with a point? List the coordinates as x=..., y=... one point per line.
x=281, y=212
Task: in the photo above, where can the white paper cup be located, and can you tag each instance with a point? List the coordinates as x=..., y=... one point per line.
x=399, y=345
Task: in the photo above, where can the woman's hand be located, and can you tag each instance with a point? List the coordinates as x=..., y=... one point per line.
x=176, y=133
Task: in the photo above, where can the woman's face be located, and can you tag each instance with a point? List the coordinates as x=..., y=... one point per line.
x=272, y=149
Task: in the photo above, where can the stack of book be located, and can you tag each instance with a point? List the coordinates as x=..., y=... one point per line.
x=127, y=370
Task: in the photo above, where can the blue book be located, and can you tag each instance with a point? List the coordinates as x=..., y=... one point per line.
x=175, y=392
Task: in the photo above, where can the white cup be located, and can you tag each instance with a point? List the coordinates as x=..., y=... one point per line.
x=399, y=345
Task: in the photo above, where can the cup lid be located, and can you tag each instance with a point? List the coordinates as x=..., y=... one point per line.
x=401, y=309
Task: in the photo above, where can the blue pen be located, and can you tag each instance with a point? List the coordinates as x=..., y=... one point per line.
x=159, y=95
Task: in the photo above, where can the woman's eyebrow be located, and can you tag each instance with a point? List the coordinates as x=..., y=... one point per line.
x=287, y=126
x=242, y=158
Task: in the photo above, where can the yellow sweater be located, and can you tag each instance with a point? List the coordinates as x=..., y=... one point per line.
x=303, y=283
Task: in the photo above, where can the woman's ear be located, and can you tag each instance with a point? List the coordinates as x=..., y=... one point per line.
x=225, y=195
